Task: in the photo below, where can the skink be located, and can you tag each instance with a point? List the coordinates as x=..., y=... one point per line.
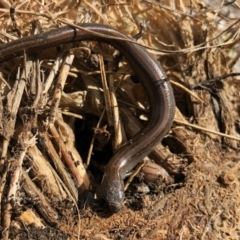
x=149, y=72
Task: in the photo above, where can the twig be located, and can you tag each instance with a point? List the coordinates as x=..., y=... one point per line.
x=93, y=138
x=213, y=80
x=59, y=166
x=75, y=165
x=14, y=185
x=187, y=90
x=60, y=85
x=136, y=171
x=207, y=130
x=43, y=206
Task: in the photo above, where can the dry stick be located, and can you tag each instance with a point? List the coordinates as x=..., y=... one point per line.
x=187, y=90
x=118, y=135
x=96, y=10
x=111, y=106
x=52, y=74
x=106, y=93
x=60, y=86
x=36, y=86
x=78, y=171
x=72, y=115
x=207, y=130
x=11, y=124
x=41, y=203
x=76, y=168
x=13, y=101
x=211, y=81
x=49, y=13
x=5, y=82
x=80, y=178
x=70, y=158
x=99, y=121
x=2, y=185
x=42, y=170
x=233, y=60
x=135, y=172
x=96, y=72
x=93, y=138
x=59, y=166
x=34, y=13
x=14, y=184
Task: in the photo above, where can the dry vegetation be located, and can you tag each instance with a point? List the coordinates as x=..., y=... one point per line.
x=41, y=173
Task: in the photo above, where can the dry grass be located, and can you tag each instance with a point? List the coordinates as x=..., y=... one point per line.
x=41, y=171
